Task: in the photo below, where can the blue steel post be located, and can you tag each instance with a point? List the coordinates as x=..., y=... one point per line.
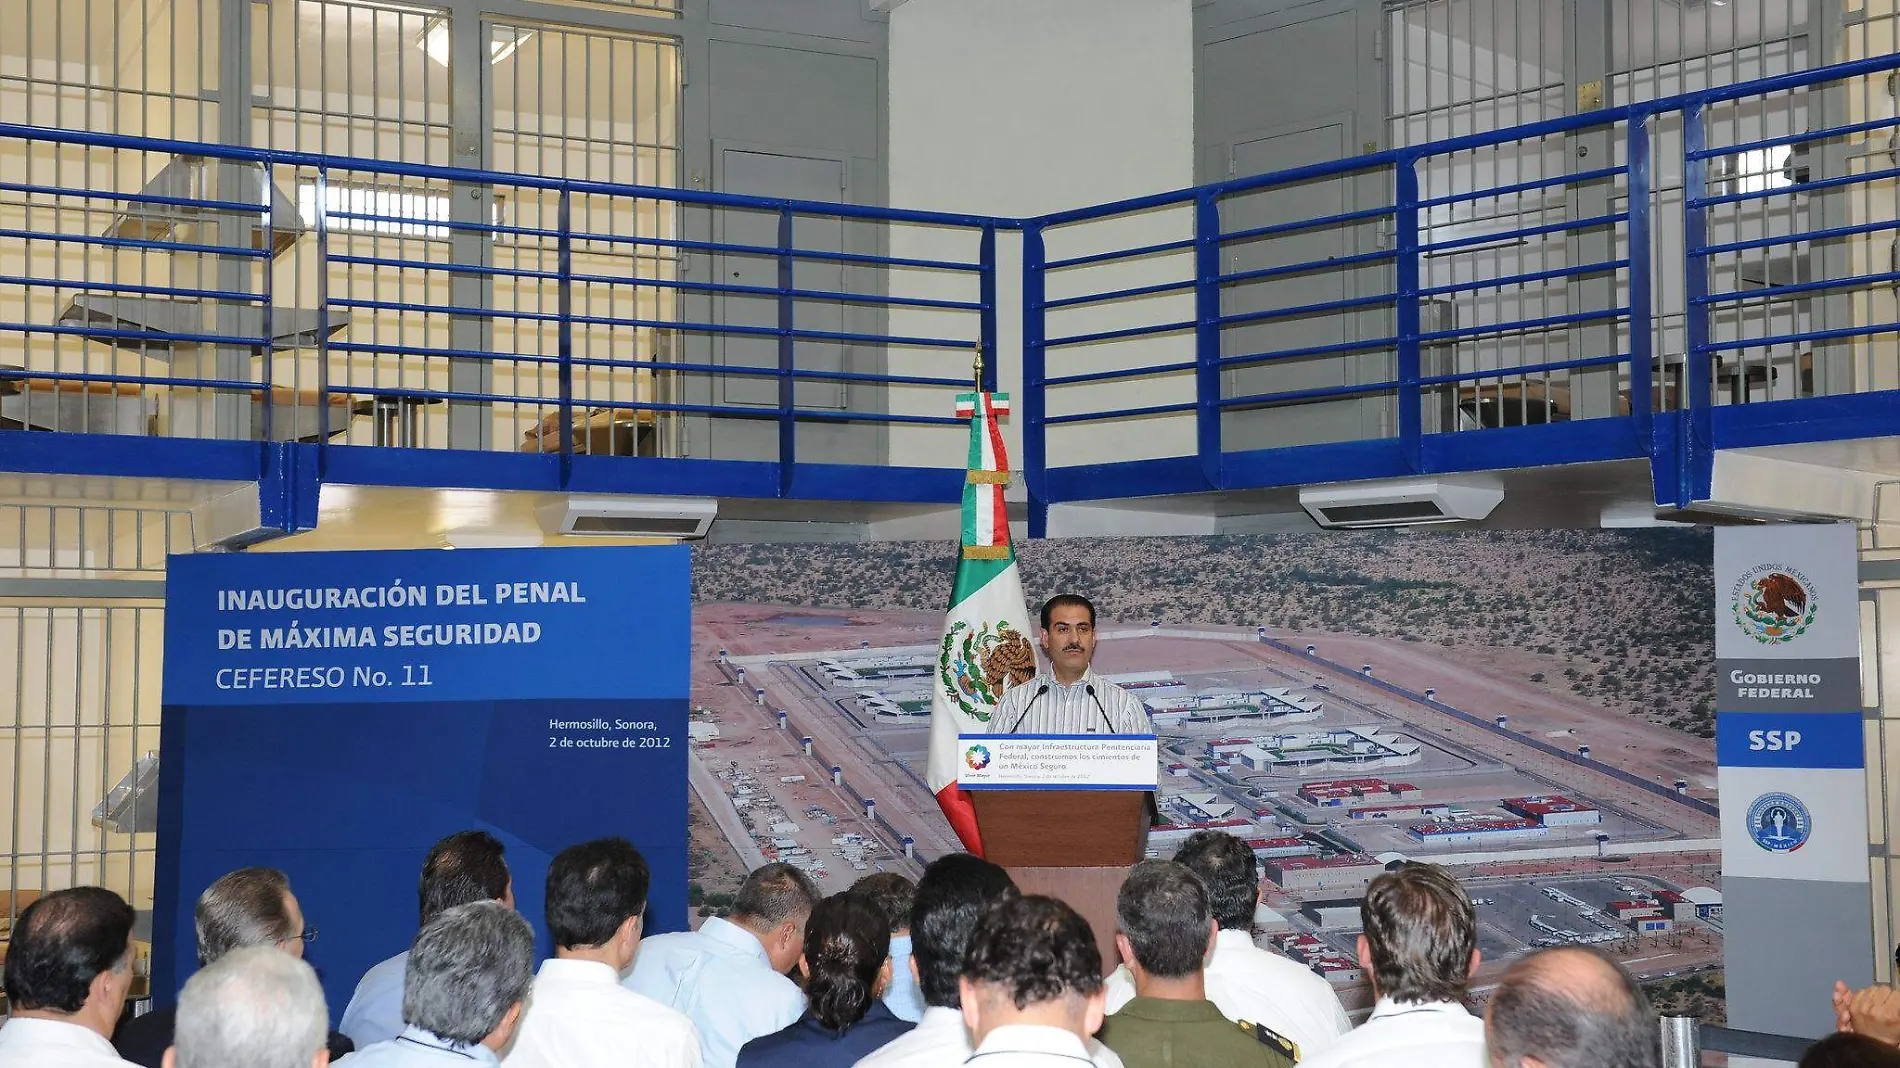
x=1207, y=332
x=787, y=380
x=1405, y=265
x=1034, y=406
x=564, y=328
x=321, y=192
x=269, y=399
x=1642, y=334
x=986, y=297
x=1695, y=463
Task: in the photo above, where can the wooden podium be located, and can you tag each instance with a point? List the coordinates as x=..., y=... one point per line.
x=1072, y=844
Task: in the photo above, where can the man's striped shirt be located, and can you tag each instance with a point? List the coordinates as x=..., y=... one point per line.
x=1070, y=709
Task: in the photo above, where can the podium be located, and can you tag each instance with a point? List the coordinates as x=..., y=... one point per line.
x=1066, y=815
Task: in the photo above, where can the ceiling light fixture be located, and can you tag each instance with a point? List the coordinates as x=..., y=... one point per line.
x=502, y=41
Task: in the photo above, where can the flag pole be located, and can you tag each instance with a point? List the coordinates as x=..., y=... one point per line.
x=976, y=367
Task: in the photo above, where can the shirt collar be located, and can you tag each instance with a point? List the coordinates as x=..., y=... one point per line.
x=1088, y=676
x=1387, y=1008
x=477, y=1053
x=1033, y=1038
x=61, y=1033
x=1171, y=1010
x=731, y=934
x=579, y=971
x=1231, y=938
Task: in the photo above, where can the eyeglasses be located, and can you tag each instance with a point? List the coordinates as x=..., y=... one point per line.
x=309, y=935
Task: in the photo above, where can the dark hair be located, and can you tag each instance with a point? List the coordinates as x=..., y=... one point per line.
x=463, y=868
x=956, y=890
x=1065, y=600
x=1036, y=948
x=1845, y=1049
x=593, y=888
x=1421, y=929
x=846, y=941
x=246, y=907
x=775, y=893
x=1227, y=867
x=60, y=945
x=892, y=893
x=1544, y=1009
x=1162, y=908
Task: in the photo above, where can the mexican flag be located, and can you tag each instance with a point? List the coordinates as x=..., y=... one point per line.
x=985, y=648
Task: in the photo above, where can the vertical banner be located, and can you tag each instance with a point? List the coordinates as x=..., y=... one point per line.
x=334, y=714
x=1789, y=744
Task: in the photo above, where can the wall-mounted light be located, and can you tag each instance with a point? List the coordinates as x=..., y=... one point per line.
x=502, y=41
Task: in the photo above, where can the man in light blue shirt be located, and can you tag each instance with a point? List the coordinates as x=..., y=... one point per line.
x=468, y=976
x=729, y=976
x=893, y=894
x=464, y=867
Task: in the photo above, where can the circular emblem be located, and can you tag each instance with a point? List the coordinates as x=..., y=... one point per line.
x=1779, y=823
x=1773, y=603
x=977, y=756
x=976, y=663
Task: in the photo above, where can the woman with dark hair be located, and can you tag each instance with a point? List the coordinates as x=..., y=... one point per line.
x=846, y=965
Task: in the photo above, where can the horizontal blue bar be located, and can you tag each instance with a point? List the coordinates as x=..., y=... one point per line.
x=1527, y=231
x=1119, y=254
x=1523, y=187
x=1522, y=326
x=1794, y=138
x=82, y=377
x=1310, y=265
x=1120, y=413
x=1120, y=294
x=1293, y=396
x=1790, y=740
x=1307, y=224
x=1113, y=335
x=231, y=295
x=1525, y=369
x=1806, y=235
x=1337, y=348
x=1131, y=372
x=137, y=335
x=1770, y=292
x=221, y=206
x=1520, y=279
x=1797, y=187
x=1806, y=335
x=1308, y=309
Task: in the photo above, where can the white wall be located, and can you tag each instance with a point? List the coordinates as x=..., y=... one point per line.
x=1023, y=107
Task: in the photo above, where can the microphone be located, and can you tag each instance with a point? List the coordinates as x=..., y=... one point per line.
x=1090, y=690
x=1031, y=703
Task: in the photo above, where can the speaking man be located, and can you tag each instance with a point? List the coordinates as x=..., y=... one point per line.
x=1069, y=698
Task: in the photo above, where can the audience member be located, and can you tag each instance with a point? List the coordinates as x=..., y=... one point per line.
x=69, y=967
x=1245, y=982
x=1032, y=985
x=580, y=1016
x=1845, y=1049
x=1420, y=948
x=895, y=894
x=464, y=867
x=729, y=977
x=1874, y=1012
x=1165, y=933
x=252, y=1007
x=462, y=991
x=1571, y=1007
x=245, y=908
x=846, y=965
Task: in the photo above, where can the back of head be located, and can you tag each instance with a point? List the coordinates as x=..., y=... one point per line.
x=1845, y=1049
x=253, y=1007
x=846, y=941
x=61, y=943
x=1032, y=949
x=892, y=893
x=248, y=907
x=469, y=965
x=464, y=867
x=955, y=892
x=1421, y=930
x=1571, y=1007
x=1162, y=910
x=593, y=888
x=775, y=893
x=1227, y=867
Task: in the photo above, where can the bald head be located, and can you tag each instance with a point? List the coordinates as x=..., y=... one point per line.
x=1570, y=1008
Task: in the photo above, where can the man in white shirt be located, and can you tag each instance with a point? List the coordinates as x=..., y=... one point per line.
x=1420, y=947
x=728, y=977
x=1032, y=986
x=579, y=1015
x=256, y=1006
x=69, y=966
x=463, y=991
x=464, y=867
x=1570, y=1007
x=955, y=891
x=1069, y=698
x=1249, y=984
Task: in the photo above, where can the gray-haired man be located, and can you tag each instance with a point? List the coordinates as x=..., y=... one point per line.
x=462, y=992
x=252, y=1008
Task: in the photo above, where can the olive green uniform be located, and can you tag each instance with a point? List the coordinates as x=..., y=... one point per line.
x=1160, y=1033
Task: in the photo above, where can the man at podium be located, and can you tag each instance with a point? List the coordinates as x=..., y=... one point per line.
x=1069, y=698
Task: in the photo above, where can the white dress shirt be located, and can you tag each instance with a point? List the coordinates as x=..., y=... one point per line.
x=1254, y=985
x=416, y=1048
x=941, y=1041
x=1410, y=1034
x=579, y=1016
x=721, y=978
x=1070, y=709
x=54, y=1044
x=375, y=1010
x=1030, y=1046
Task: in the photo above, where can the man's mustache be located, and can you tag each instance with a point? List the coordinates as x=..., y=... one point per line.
x=1071, y=648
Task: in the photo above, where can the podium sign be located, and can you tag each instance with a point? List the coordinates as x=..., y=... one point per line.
x=1057, y=761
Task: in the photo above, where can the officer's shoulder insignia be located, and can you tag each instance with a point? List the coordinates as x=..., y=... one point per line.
x=1272, y=1039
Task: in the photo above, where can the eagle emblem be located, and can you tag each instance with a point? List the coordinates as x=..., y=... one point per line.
x=1773, y=604
x=977, y=663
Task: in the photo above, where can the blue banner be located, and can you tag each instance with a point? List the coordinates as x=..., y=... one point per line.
x=1790, y=740
x=334, y=714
